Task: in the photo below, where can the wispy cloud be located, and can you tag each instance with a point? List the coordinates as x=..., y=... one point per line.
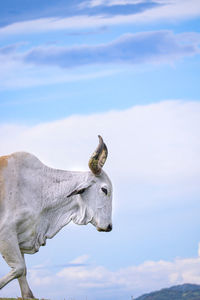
x=16, y=73
x=60, y=9
x=147, y=47
x=156, y=47
x=8, y=49
x=20, y=68
x=169, y=11
x=94, y=3
x=19, y=76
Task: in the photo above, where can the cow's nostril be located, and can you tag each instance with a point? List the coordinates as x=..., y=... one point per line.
x=109, y=228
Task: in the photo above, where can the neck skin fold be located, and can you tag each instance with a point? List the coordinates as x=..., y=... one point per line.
x=58, y=209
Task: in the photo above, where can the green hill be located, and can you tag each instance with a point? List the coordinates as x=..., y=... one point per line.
x=179, y=292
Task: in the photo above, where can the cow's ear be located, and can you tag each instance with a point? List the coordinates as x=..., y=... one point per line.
x=80, y=189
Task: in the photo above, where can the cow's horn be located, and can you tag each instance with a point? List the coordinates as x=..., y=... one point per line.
x=98, y=158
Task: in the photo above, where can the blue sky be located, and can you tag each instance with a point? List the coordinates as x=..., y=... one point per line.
x=128, y=70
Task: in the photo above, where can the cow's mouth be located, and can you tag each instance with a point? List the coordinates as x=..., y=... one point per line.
x=108, y=229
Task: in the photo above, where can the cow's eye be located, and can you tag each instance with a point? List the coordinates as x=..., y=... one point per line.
x=104, y=190
x=81, y=191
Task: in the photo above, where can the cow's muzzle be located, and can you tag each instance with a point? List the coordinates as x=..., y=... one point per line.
x=108, y=229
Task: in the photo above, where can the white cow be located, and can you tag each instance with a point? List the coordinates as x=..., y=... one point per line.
x=37, y=201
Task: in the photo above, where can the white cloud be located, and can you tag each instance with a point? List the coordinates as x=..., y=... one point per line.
x=169, y=11
x=95, y=280
x=80, y=260
x=148, y=276
x=154, y=143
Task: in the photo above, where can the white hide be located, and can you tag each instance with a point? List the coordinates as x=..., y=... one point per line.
x=37, y=201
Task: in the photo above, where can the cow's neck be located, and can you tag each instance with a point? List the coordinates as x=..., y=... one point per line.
x=58, y=209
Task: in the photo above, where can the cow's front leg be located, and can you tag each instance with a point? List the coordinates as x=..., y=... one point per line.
x=25, y=289
x=10, y=251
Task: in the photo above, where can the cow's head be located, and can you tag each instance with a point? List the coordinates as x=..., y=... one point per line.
x=95, y=193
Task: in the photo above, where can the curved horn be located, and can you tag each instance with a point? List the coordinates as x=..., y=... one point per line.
x=98, y=158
